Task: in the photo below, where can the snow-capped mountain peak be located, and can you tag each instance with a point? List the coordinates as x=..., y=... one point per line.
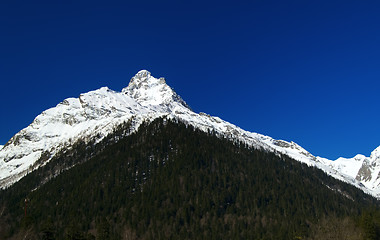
x=95, y=114
x=143, y=79
x=148, y=90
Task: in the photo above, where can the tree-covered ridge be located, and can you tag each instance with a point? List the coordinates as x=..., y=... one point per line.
x=172, y=181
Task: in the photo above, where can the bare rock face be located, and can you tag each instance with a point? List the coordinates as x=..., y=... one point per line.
x=365, y=172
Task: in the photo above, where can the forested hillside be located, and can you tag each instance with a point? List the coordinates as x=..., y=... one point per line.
x=172, y=181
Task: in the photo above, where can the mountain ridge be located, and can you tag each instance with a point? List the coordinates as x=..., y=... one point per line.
x=95, y=114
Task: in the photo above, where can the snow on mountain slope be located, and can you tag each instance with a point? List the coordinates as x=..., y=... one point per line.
x=95, y=114
x=349, y=166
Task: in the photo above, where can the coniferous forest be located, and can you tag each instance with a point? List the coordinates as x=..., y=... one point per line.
x=169, y=180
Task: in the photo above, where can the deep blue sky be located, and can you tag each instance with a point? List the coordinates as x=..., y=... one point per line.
x=306, y=71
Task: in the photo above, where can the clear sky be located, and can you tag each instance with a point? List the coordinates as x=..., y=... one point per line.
x=305, y=71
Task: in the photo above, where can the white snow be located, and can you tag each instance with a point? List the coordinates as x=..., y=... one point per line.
x=96, y=114
x=348, y=166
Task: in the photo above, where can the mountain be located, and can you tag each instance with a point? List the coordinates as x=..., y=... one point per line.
x=170, y=180
x=140, y=164
x=94, y=115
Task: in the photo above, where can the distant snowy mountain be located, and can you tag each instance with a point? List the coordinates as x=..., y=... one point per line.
x=364, y=169
x=96, y=114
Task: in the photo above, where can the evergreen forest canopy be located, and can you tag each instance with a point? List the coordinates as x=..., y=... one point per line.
x=169, y=180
